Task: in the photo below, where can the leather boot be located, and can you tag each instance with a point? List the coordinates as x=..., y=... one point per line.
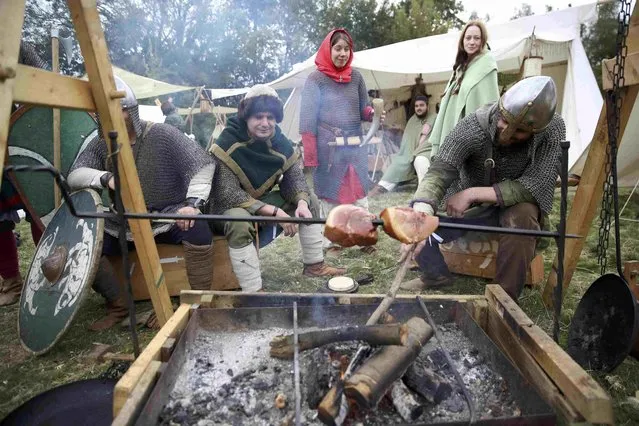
x=116, y=312
x=425, y=283
x=321, y=269
x=10, y=290
x=199, y=265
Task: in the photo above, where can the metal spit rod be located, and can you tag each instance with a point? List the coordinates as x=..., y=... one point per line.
x=113, y=137
x=561, y=241
x=469, y=399
x=296, y=369
x=171, y=217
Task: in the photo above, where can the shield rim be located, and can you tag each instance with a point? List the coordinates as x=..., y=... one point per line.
x=90, y=277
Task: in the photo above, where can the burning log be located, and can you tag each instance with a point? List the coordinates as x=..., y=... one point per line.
x=375, y=335
x=427, y=383
x=334, y=407
x=404, y=402
x=371, y=381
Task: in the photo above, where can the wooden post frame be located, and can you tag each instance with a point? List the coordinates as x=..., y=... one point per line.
x=590, y=190
x=12, y=13
x=107, y=100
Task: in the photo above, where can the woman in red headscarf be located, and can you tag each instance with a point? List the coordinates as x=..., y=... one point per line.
x=334, y=102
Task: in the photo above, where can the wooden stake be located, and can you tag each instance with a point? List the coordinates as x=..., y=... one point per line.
x=57, y=157
x=12, y=13
x=91, y=37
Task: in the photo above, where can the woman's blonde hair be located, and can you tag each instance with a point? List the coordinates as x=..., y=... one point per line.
x=462, y=57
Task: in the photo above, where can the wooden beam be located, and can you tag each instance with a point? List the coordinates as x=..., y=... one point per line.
x=89, y=32
x=41, y=87
x=133, y=406
x=152, y=352
x=630, y=74
x=12, y=13
x=221, y=299
x=502, y=335
x=631, y=271
x=579, y=388
x=588, y=196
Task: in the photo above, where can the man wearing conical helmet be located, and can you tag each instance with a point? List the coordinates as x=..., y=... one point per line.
x=497, y=167
x=175, y=175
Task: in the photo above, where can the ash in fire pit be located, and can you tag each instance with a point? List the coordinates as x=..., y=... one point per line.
x=229, y=378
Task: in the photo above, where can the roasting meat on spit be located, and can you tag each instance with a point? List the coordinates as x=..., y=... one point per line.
x=348, y=225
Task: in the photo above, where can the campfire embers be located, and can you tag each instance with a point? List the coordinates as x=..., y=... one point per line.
x=229, y=378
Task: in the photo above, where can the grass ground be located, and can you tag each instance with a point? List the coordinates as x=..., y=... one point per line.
x=23, y=376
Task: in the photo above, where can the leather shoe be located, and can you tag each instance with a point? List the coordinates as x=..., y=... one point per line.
x=424, y=283
x=322, y=269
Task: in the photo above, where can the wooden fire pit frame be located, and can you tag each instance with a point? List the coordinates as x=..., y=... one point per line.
x=559, y=380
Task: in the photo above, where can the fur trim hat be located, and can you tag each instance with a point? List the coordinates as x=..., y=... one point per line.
x=261, y=98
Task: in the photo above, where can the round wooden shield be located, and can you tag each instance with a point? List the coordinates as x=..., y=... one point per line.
x=64, y=265
x=31, y=143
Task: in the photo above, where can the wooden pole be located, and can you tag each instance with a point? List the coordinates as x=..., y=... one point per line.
x=12, y=13
x=590, y=190
x=107, y=100
x=57, y=157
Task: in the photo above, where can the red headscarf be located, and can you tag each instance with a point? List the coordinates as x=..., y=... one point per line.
x=325, y=63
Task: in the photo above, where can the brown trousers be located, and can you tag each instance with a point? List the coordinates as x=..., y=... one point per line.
x=513, y=256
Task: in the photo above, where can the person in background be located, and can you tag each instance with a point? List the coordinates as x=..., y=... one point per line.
x=334, y=103
x=10, y=202
x=472, y=84
x=172, y=117
x=415, y=134
x=253, y=155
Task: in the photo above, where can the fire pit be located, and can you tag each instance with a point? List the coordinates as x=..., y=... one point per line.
x=221, y=372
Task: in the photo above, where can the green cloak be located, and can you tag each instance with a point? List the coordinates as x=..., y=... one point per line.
x=401, y=168
x=478, y=88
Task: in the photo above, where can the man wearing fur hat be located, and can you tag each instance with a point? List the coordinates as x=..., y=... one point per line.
x=497, y=167
x=175, y=175
x=253, y=156
x=415, y=134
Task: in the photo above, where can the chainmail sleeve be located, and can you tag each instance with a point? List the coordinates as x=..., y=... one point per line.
x=29, y=56
x=309, y=112
x=293, y=186
x=94, y=156
x=541, y=174
x=363, y=94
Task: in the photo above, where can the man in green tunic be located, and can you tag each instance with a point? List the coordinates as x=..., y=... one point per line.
x=415, y=135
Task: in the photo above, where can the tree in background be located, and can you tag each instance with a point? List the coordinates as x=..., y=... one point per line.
x=423, y=18
x=474, y=16
x=600, y=38
x=524, y=10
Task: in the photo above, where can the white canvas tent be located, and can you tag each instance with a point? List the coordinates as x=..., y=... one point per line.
x=392, y=69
